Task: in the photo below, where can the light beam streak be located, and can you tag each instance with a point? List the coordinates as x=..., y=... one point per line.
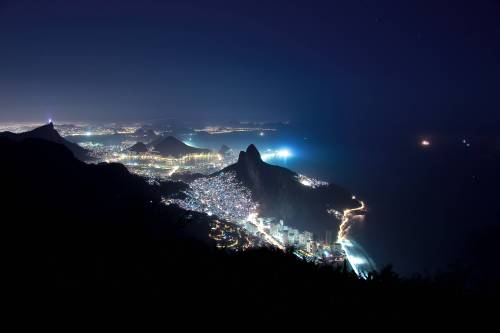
x=346, y=221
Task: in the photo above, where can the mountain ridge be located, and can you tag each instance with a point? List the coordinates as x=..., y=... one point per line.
x=171, y=146
x=138, y=147
x=49, y=133
x=281, y=195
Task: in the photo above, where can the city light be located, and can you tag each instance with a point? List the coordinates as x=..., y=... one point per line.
x=221, y=195
x=154, y=165
x=224, y=197
x=306, y=182
x=174, y=169
x=347, y=219
x=310, y=182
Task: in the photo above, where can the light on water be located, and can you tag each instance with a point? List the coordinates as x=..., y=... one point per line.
x=283, y=154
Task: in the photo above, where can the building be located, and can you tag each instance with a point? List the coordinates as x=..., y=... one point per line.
x=311, y=246
x=338, y=252
x=329, y=237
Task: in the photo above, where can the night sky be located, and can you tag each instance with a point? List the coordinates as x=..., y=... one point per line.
x=370, y=77
x=383, y=63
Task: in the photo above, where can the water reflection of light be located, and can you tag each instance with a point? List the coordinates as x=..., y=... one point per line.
x=284, y=153
x=273, y=154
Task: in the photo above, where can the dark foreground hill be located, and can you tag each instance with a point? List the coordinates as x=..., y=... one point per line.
x=79, y=237
x=281, y=195
x=171, y=146
x=47, y=132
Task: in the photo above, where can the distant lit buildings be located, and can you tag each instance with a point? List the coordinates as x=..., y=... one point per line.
x=222, y=195
x=310, y=182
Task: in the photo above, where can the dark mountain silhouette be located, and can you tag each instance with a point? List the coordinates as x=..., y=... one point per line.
x=173, y=189
x=281, y=195
x=171, y=146
x=75, y=225
x=82, y=236
x=47, y=132
x=138, y=147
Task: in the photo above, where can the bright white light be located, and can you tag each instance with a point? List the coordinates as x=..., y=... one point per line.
x=88, y=133
x=252, y=217
x=357, y=260
x=283, y=153
x=50, y=120
x=306, y=182
x=267, y=156
x=425, y=143
x=310, y=182
x=174, y=169
x=261, y=133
